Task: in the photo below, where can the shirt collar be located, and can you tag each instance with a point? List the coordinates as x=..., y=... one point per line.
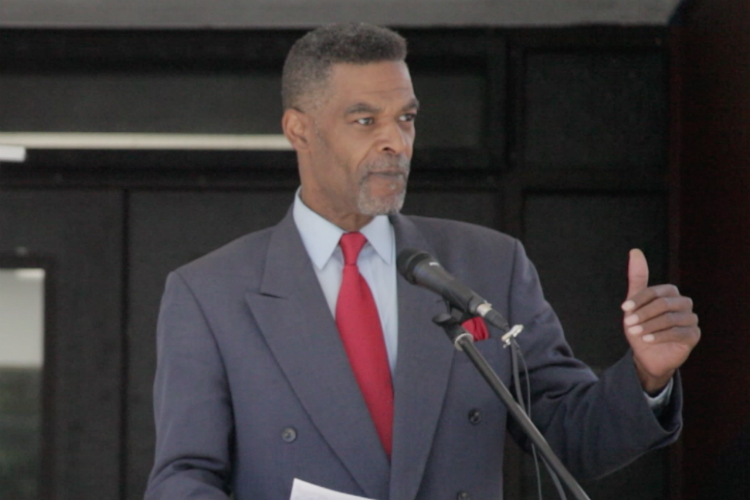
x=321, y=237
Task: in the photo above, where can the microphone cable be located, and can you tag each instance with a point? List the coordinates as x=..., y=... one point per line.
x=525, y=404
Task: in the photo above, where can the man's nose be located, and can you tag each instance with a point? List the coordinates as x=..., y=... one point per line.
x=396, y=140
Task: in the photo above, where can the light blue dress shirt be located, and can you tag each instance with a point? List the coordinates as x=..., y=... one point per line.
x=377, y=264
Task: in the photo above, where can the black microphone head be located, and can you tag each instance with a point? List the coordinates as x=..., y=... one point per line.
x=408, y=259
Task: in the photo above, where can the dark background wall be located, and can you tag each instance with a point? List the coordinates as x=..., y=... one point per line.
x=713, y=66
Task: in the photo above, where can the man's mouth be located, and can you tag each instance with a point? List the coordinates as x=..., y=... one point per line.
x=389, y=173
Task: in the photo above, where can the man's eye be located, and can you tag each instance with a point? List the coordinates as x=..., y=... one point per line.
x=408, y=117
x=365, y=121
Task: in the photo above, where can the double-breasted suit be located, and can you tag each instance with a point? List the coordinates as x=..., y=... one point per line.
x=254, y=388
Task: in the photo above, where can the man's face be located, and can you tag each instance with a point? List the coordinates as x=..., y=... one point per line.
x=363, y=140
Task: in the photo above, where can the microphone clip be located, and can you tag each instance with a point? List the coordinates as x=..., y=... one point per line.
x=511, y=335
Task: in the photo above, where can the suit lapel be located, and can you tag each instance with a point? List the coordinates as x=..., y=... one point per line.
x=423, y=367
x=293, y=315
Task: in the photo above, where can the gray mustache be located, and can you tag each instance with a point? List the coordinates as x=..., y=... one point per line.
x=392, y=165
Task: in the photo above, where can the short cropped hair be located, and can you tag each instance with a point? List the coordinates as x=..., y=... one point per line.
x=308, y=64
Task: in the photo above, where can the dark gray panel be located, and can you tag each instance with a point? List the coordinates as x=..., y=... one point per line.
x=168, y=230
x=595, y=110
x=108, y=101
x=20, y=428
x=452, y=110
x=475, y=207
x=81, y=232
x=452, y=114
x=580, y=246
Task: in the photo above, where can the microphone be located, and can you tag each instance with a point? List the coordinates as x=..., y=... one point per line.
x=421, y=268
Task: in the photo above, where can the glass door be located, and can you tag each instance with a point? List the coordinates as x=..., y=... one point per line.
x=22, y=362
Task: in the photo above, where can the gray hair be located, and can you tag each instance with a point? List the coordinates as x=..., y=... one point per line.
x=310, y=59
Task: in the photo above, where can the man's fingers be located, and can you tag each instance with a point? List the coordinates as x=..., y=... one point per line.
x=663, y=322
x=648, y=295
x=656, y=307
x=637, y=272
x=688, y=336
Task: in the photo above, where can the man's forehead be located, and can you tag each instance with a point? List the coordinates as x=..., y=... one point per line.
x=362, y=82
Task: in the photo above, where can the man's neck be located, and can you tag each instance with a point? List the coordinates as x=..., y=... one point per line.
x=353, y=222
x=348, y=221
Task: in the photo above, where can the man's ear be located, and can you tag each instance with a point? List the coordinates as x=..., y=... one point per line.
x=296, y=127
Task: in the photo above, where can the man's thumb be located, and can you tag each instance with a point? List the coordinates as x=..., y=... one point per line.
x=637, y=272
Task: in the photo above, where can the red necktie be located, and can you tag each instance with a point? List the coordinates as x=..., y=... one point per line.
x=359, y=326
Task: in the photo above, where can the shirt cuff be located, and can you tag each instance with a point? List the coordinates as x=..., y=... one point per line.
x=661, y=400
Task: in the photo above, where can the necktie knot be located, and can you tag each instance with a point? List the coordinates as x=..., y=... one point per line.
x=351, y=244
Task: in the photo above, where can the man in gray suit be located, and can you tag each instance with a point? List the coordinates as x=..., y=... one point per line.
x=258, y=383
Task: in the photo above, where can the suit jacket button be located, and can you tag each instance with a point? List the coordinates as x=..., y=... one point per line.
x=289, y=434
x=463, y=495
x=475, y=416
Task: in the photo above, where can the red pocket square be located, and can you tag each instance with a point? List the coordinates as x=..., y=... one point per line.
x=477, y=328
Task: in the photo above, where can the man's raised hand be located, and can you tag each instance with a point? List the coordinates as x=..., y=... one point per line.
x=659, y=324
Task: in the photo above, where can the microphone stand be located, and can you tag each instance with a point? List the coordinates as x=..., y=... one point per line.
x=464, y=341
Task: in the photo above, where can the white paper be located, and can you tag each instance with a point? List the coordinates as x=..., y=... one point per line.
x=302, y=490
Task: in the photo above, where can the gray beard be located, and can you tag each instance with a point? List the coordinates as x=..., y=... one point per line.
x=374, y=207
x=392, y=204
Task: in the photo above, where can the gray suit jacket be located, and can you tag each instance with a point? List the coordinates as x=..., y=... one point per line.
x=253, y=387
